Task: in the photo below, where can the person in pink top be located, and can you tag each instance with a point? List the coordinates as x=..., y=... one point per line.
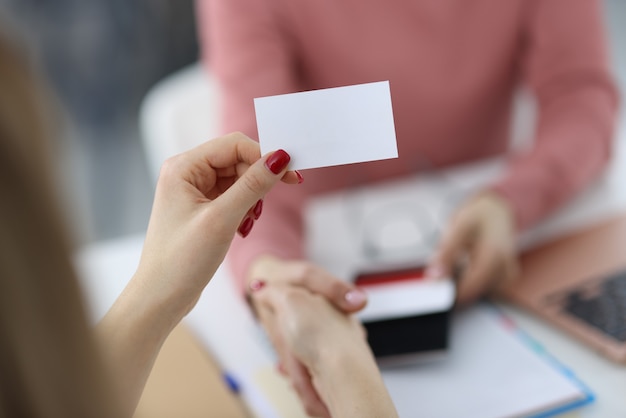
x=453, y=67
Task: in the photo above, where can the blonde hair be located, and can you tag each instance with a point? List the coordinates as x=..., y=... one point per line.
x=49, y=363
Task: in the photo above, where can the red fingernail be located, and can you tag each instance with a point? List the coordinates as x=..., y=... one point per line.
x=281, y=369
x=256, y=285
x=277, y=161
x=246, y=226
x=258, y=208
x=300, y=178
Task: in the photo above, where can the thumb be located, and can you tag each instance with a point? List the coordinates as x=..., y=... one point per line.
x=454, y=243
x=258, y=179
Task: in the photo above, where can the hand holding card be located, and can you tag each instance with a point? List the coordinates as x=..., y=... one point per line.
x=329, y=127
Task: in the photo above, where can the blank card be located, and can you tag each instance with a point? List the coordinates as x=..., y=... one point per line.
x=329, y=127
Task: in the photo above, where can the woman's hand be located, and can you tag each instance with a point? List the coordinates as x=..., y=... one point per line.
x=303, y=275
x=480, y=243
x=203, y=197
x=331, y=348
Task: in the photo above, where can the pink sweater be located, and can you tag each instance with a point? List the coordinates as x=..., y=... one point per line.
x=453, y=67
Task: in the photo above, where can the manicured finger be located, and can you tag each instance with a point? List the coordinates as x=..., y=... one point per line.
x=258, y=179
x=343, y=295
x=228, y=151
x=245, y=227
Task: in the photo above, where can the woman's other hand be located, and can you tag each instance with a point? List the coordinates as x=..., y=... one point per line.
x=203, y=197
x=299, y=274
x=330, y=347
x=480, y=244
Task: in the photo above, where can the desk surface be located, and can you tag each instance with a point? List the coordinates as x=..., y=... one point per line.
x=186, y=382
x=186, y=379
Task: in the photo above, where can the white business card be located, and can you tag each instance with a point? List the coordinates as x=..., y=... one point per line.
x=329, y=127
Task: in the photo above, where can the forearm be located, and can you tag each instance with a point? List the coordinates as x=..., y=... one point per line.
x=351, y=384
x=573, y=144
x=131, y=335
x=566, y=66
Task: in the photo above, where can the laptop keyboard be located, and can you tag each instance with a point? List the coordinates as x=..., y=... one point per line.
x=603, y=308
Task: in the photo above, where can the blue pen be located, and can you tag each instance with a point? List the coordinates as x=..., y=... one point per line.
x=235, y=387
x=231, y=383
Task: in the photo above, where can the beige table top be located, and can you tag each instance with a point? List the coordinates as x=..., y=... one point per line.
x=186, y=382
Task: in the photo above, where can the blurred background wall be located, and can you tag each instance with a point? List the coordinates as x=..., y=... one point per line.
x=101, y=57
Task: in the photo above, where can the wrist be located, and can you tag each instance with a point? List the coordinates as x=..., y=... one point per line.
x=144, y=303
x=130, y=337
x=349, y=381
x=346, y=356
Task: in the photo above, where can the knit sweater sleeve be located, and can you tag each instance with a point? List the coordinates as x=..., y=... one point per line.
x=566, y=65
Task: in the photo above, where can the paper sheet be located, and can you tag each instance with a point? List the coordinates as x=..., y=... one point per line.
x=491, y=372
x=328, y=127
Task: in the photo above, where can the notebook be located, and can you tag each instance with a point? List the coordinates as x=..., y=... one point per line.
x=493, y=370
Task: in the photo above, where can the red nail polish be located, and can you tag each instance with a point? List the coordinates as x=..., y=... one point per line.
x=256, y=285
x=300, y=178
x=258, y=208
x=281, y=369
x=246, y=226
x=277, y=161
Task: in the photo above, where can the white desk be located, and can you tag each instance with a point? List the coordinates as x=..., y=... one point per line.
x=106, y=267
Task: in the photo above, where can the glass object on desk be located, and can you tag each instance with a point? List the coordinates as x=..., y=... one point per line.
x=402, y=224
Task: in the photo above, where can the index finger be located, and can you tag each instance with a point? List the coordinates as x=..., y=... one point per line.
x=234, y=152
x=343, y=295
x=227, y=151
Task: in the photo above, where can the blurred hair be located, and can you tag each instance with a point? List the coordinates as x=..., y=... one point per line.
x=49, y=363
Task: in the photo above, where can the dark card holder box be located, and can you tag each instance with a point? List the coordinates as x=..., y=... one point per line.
x=407, y=316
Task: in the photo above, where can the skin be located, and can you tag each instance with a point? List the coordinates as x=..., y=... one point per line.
x=483, y=232
x=316, y=281
x=201, y=199
x=324, y=340
x=481, y=235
